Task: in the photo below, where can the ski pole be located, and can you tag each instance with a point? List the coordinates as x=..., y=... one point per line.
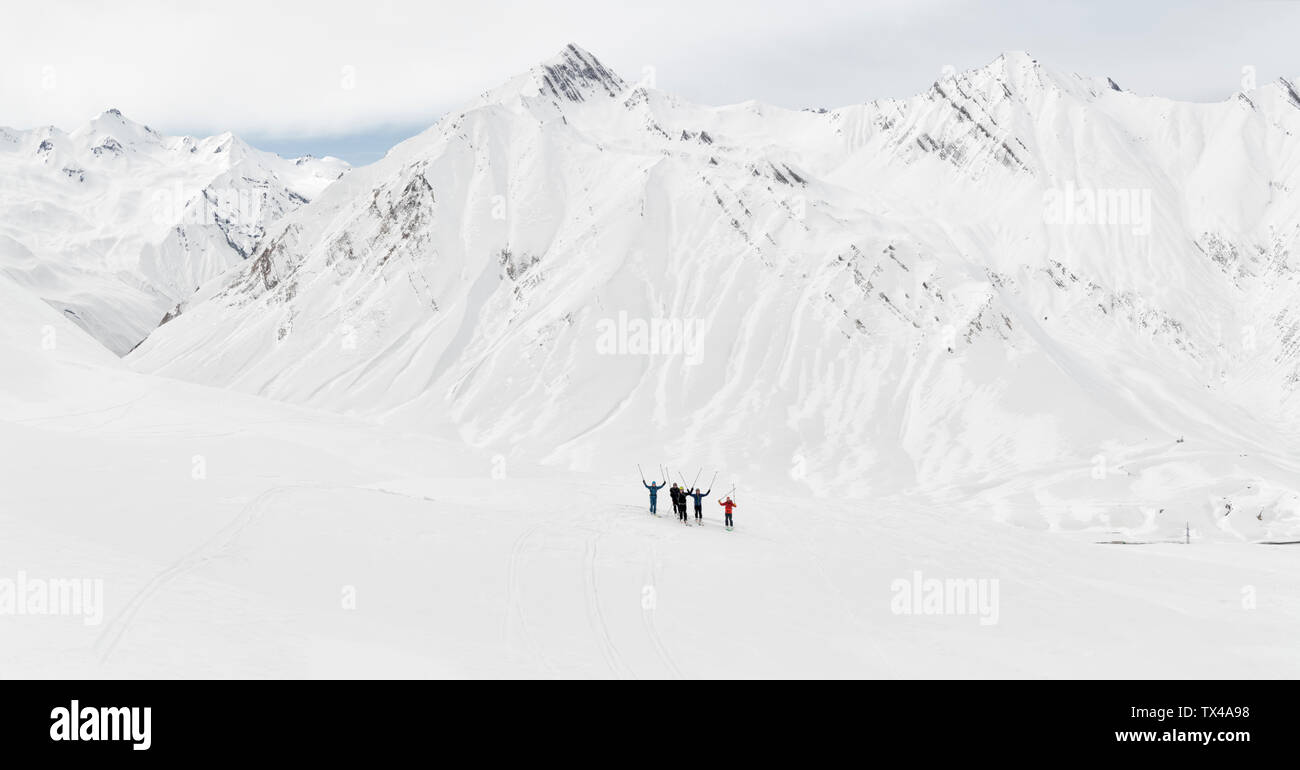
x=697, y=478
x=715, y=478
x=638, y=470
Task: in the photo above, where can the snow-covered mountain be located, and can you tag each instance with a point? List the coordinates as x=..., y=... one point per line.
x=1023, y=292
x=114, y=224
x=910, y=302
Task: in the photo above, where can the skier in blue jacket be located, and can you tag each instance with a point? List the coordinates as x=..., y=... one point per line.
x=654, y=493
x=699, y=496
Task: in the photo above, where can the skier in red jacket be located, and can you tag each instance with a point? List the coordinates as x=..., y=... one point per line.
x=728, y=504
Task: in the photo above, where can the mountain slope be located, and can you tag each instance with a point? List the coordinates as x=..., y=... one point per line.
x=231, y=536
x=113, y=224
x=1014, y=293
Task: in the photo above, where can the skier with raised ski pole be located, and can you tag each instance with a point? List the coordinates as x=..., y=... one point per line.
x=698, y=497
x=728, y=503
x=654, y=490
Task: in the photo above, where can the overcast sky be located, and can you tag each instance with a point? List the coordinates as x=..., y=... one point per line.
x=352, y=78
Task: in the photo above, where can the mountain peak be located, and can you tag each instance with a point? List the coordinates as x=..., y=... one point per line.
x=575, y=74
x=114, y=117
x=1019, y=74
x=110, y=117
x=1013, y=66
x=112, y=120
x=1018, y=58
x=572, y=75
x=112, y=124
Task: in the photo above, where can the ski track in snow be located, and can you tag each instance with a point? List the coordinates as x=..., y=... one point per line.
x=648, y=613
x=652, y=580
x=209, y=550
x=125, y=407
x=597, y=522
x=595, y=615
x=515, y=604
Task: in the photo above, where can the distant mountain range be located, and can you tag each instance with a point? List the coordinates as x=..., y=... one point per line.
x=114, y=223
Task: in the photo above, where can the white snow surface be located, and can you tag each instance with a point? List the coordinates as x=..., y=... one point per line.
x=315, y=545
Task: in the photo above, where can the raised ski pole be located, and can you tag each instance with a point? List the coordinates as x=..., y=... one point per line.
x=638, y=470
x=715, y=478
x=697, y=478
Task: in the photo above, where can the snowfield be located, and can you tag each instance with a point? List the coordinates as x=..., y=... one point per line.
x=1004, y=376
x=238, y=537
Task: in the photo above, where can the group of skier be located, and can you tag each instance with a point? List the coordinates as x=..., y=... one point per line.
x=680, y=495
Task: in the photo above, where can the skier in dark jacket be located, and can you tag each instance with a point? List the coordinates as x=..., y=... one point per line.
x=654, y=493
x=679, y=505
x=699, y=508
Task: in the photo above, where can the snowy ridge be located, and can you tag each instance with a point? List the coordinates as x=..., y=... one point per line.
x=900, y=297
